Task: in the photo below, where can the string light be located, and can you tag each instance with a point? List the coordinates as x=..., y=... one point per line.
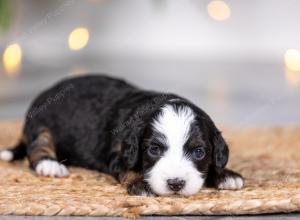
x=218, y=10
x=292, y=77
x=292, y=60
x=12, y=59
x=78, y=38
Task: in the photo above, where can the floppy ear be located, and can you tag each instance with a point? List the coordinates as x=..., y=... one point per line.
x=131, y=145
x=220, y=151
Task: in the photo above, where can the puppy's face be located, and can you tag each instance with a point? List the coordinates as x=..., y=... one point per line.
x=176, y=152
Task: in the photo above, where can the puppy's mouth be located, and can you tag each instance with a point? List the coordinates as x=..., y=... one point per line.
x=169, y=193
x=176, y=194
x=184, y=192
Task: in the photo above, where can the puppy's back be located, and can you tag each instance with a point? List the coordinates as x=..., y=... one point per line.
x=75, y=111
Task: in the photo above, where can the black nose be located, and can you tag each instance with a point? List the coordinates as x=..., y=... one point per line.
x=175, y=184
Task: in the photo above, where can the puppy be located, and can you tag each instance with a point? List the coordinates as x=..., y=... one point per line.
x=153, y=143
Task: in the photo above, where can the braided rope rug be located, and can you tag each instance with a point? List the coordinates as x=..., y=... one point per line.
x=269, y=159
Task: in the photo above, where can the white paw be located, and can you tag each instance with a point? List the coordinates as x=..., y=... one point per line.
x=6, y=155
x=51, y=168
x=232, y=182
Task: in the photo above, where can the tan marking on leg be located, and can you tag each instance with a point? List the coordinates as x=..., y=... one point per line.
x=131, y=177
x=43, y=147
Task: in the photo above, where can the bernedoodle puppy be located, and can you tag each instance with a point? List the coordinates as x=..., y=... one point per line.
x=153, y=143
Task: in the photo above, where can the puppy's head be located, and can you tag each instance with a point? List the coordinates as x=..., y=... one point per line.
x=179, y=146
x=175, y=148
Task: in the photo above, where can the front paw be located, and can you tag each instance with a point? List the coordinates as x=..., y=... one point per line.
x=140, y=188
x=231, y=181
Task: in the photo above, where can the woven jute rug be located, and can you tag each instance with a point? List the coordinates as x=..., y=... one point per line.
x=269, y=159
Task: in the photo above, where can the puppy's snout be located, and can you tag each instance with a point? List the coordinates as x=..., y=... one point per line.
x=175, y=184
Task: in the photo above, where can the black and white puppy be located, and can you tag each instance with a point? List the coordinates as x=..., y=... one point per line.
x=153, y=143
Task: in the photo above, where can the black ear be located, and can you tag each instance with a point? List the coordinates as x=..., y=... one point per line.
x=130, y=151
x=220, y=150
x=131, y=146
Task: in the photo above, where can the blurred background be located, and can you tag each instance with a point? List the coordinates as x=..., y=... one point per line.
x=238, y=60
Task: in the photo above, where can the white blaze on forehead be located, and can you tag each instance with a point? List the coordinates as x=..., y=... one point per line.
x=175, y=126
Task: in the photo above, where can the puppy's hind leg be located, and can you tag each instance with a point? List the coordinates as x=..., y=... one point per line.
x=42, y=156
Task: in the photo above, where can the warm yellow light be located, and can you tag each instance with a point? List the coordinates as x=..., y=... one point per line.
x=12, y=58
x=218, y=10
x=292, y=59
x=78, y=38
x=292, y=77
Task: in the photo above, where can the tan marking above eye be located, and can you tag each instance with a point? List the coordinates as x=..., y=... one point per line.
x=196, y=143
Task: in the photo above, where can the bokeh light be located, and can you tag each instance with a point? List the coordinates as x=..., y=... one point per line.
x=292, y=77
x=218, y=10
x=12, y=59
x=292, y=60
x=78, y=38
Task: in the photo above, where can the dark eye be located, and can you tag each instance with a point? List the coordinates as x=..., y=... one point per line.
x=198, y=153
x=154, y=151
